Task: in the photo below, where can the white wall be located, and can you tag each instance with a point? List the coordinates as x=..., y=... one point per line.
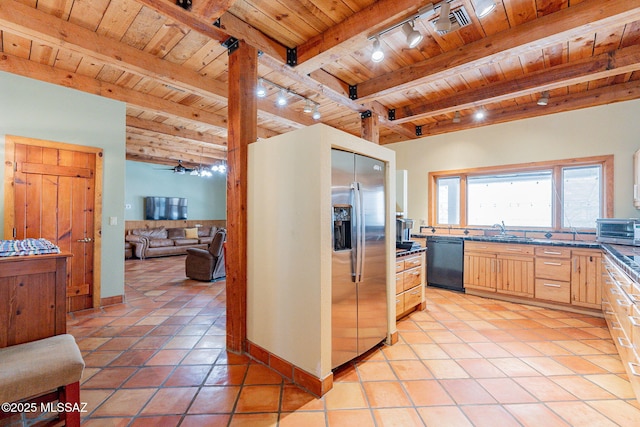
x=34, y=109
x=611, y=129
x=206, y=197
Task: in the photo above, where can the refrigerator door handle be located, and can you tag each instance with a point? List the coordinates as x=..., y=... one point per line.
x=358, y=253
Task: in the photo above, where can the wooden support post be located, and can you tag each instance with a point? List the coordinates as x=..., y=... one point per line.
x=243, y=119
x=370, y=128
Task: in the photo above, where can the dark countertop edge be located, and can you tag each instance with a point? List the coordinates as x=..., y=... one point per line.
x=400, y=253
x=627, y=264
x=521, y=241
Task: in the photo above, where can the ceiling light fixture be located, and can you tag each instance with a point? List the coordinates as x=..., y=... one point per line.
x=444, y=23
x=413, y=36
x=308, y=108
x=282, y=98
x=377, y=54
x=483, y=7
x=544, y=98
x=316, y=114
x=261, y=91
x=456, y=117
x=480, y=114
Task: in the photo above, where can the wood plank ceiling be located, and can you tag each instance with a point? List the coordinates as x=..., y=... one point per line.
x=170, y=66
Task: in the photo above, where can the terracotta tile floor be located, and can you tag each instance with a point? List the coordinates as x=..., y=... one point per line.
x=159, y=360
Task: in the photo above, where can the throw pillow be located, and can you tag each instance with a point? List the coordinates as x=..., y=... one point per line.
x=191, y=233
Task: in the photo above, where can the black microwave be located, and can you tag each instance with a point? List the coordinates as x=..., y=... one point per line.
x=621, y=231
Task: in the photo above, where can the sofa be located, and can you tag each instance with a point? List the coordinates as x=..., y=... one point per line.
x=161, y=241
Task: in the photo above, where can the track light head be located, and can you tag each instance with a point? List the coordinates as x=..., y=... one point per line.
x=261, y=91
x=282, y=98
x=544, y=98
x=316, y=114
x=444, y=23
x=413, y=36
x=483, y=7
x=377, y=54
x=456, y=117
x=480, y=114
x=308, y=108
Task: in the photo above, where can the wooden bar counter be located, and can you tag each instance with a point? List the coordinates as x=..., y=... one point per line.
x=32, y=297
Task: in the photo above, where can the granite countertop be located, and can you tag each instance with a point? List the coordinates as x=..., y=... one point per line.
x=524, y=241
x=626, y=257
x=402, y=252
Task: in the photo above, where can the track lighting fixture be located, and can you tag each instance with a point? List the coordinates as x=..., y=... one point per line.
x=480, y=114
x=444, y=23
x=483, y=7
x=284, y=94
x=456, y=117
x=544, y=98
x=282, y=98
x=308, y=108
x=261, y=91
x=377, y=54
x=413, y=36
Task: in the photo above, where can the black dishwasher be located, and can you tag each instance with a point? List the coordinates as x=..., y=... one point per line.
x=444, y=262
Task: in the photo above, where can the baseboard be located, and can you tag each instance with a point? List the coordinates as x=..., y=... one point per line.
x=311, y=383
x=117, y=299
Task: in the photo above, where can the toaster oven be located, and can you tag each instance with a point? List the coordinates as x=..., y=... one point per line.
x=621, y=231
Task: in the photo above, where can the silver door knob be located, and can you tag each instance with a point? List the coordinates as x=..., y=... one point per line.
x=85, y=240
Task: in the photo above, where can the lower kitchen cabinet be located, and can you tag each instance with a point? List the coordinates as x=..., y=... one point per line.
x=569, y=278
x=586, y=278
x=410, y=281
x=621, y=308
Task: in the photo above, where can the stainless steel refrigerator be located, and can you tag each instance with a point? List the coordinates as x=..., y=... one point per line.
x=358, y=289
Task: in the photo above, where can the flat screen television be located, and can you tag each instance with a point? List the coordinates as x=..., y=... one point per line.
x=157, y=208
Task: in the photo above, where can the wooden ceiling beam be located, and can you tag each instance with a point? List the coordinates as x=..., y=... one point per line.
x=243, y=31
x=170, y=151
x=592, y=98
x=192, y=20
x=31, y=23
x=45, y=73
x=178, y=132
x=608, y=64
x=352, y=33
x=569, y=23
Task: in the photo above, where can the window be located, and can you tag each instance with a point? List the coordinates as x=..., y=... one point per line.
x=566, y=194
x=517, y=199
x=581, y=196
x=449, y=201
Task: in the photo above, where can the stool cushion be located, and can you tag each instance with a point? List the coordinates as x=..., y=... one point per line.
x=37, y=367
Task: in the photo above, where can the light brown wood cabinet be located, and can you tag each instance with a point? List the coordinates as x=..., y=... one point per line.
x=621, y=308
x=550, y=274
x=498, y=267
x=410, y=280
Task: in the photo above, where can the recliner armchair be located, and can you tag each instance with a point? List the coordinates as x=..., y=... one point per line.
x=207, y=265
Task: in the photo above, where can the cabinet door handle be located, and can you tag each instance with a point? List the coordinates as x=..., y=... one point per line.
x=634, y=321
x=551, y=285
x=616, y=325
x=552, y=263
x=634, y=370
x=552, y=253
x=624, y=342
x=622, y=303
x=514, y=249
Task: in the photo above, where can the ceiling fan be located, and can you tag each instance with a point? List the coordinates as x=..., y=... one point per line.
x=179, y=168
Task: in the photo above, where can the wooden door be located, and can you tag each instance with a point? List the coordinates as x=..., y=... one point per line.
x=54, y=196
x=586, y=278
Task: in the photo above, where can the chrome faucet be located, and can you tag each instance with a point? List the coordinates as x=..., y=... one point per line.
x=500, y=226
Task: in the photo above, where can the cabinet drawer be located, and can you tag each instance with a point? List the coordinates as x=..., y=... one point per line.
x=411, y=278
x=412, y=298
x=399, y=265
x=553, y=252
x=634, y=334
x=553, y=268
x=513, y=249
x=399, y=304
x=399, y=283
x=412, y=262
x=552, y=290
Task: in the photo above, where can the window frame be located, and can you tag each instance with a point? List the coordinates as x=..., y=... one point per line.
x=556, y=167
